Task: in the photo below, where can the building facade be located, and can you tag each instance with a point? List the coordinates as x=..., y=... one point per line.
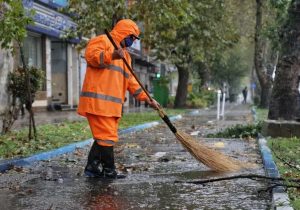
x=45, y=48
x=64, y=66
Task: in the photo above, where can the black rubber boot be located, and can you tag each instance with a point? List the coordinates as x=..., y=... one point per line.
x=93, y=163
x=108, y=163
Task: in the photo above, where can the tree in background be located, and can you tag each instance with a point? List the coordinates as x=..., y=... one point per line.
x=92, y=17
x=189, y=33
x=285, y=100
x=162, y=22
x=269, y=16
x=13, y=22
x=230, y=65
x=180, y=31
x=230, y=70
x=158, y=21
x=264, y=79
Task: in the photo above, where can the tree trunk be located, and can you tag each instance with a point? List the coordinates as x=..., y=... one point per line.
x=265, y=95
x=271, y=62
x=285, y=102
x=10, y=115
x=264, y=80
x=181, y=93
x=30, y=101
x=9, y=108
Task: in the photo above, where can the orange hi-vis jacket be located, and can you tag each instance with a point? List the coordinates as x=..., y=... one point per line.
x=107, y=80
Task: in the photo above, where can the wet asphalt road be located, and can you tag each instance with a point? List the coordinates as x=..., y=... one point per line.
x=152, y=159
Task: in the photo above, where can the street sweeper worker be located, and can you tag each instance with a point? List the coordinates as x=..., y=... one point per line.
x=103, y=93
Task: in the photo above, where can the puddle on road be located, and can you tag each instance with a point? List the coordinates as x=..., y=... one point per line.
x=150, y=186
x=151, y=189
x=137, y=191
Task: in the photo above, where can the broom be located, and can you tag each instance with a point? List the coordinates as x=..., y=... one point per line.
x=209, y=157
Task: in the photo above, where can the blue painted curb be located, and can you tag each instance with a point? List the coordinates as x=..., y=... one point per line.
x=7, y=164
x=280, y=199
x=266, y=154
x=269, y=164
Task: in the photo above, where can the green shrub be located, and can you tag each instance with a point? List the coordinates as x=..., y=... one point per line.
x=256, y=100
x=209, y=95
x=197, y=102
x=171, y=101
x=239, y=131
x=262, y=114
x=192, y=96
x=201, y=100
x=18, y=83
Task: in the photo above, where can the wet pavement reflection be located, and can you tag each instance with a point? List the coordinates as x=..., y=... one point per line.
x=153, y=160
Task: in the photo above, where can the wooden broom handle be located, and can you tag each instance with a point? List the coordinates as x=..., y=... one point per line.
x=128, y=66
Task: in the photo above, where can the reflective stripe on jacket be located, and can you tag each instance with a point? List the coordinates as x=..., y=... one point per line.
x=107, y=80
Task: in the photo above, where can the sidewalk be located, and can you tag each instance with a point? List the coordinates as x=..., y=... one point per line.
x=45, y=117
x=153, y=160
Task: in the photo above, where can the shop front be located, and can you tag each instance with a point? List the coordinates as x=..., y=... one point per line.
x=45, y=48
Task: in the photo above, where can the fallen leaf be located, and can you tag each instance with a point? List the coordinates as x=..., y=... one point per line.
x=132, y=145
x=219, y=144
x=195, y=133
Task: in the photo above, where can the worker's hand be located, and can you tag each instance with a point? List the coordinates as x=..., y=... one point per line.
x=118, y=54
x=153, y=103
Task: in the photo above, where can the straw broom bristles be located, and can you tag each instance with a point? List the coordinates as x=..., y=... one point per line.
x=209, y=157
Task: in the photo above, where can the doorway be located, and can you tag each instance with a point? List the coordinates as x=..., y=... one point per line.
x=59, y=78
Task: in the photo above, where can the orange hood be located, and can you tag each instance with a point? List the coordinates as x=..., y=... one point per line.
x=123, y=28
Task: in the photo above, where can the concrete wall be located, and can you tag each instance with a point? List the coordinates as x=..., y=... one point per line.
x=281, y=128
x=6, y=66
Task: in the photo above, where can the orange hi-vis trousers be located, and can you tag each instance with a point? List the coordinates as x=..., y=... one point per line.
x=104, y=129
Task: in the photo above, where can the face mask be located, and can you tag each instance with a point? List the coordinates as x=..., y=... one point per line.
x=128, y=41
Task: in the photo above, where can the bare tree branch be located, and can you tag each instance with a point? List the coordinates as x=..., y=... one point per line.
x=246, y=176
x=268, y=189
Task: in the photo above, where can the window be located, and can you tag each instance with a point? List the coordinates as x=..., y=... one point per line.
x=33, y=51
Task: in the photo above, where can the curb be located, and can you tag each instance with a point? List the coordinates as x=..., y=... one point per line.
x=280, y=199
x=8, y=164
